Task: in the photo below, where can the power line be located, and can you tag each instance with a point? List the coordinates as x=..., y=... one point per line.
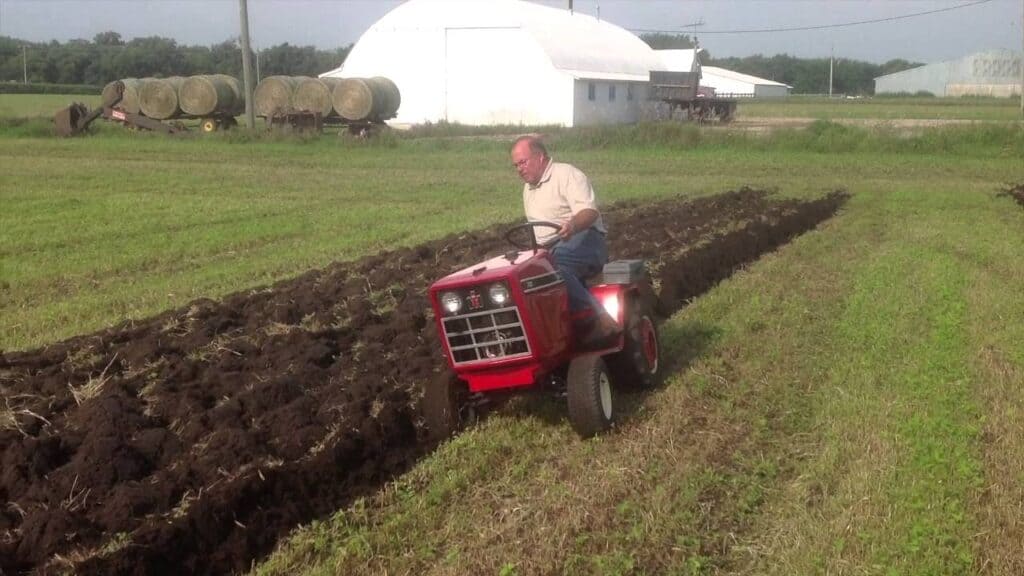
x=822, y=26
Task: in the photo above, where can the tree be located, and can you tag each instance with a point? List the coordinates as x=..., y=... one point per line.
x=108, y=39
x=662, y=41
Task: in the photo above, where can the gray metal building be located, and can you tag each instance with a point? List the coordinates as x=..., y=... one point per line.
x=989, y=73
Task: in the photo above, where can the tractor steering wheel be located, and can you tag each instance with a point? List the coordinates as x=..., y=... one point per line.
x=510, y=235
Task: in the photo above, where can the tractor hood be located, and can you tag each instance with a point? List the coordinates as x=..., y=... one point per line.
x=526, y=264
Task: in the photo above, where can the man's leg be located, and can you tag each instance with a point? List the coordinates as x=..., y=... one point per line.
x=584, y=254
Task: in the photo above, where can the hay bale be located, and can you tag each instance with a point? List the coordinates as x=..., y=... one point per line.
x=366, y=99
x=275, y=94
x=209, y=95
x=130, y=99
x=158, y=98
x=314, y=95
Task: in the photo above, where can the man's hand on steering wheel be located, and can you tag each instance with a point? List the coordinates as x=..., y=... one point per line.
x=567, y=230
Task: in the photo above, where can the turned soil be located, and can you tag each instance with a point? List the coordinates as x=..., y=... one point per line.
x=192, y=441
x=1015, y=192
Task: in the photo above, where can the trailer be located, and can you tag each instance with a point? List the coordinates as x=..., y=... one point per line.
x=76, y=118
x=684, y=94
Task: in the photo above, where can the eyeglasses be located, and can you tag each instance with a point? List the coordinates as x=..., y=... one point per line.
x=522, y=162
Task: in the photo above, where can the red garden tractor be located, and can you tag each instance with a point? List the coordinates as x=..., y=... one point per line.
x=506, y=328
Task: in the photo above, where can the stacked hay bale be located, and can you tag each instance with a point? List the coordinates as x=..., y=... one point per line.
x=159, y=99
x=130, y=98
x=366, y=99
x=353, y=99
x=314, y=95
x=211, y=95
x=274, y=94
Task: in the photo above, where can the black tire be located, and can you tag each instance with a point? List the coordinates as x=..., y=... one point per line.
x=591, y=403
x=638, y=365
x=446, y=408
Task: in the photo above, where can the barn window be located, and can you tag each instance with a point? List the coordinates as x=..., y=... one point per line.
x=611, y=93
x=591, y=91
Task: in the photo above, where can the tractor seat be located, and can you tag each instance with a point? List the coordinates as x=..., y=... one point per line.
x=618, y=272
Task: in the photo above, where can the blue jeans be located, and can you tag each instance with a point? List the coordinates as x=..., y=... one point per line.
x=584, y=254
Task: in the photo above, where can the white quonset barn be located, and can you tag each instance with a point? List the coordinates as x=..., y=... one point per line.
x=504, y=62
x=731, y=84
x=989, y=73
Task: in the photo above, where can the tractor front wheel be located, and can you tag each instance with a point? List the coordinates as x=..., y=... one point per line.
x=209, y=125
x=589, y=388
x=446, y=406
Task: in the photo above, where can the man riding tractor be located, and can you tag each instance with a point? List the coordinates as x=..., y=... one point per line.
x=550, y=315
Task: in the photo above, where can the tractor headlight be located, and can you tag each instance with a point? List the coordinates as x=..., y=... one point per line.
x=498, y=293
x=451, y=302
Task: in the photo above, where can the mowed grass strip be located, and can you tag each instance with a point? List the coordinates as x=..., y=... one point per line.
x=117, y=226
x=995, y=320
x=824, y=417
x=883, y=108
x=886, y=479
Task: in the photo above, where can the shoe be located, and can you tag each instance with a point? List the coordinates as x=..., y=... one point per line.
x=604, y=333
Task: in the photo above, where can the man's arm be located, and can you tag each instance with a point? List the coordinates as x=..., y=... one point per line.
x=580, y=221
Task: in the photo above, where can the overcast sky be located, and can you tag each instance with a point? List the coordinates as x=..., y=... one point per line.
x=334, y=23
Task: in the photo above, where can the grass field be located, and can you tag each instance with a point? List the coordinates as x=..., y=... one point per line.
x=40, y=105
x=882, y=108
x=848, y=405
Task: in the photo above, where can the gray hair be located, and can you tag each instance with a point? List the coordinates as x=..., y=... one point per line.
x=533, y=143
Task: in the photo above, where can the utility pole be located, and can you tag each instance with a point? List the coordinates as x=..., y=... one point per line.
x=250, y=115
x=1022, y=59
x=257, y=64
x=831, y=58
x=570, y=6
x=24, y=64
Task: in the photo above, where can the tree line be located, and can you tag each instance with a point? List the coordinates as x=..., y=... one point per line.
x=108, y=57
x=805, y=75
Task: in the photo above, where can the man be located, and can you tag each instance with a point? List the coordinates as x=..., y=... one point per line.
x=561, y=193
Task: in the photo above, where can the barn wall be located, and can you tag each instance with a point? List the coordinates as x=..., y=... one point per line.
x=602, y=109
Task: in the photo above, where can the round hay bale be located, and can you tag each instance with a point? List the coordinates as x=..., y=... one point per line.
x=274, y=94
x=393, y=98
x=208, y=95
x=158, y=98
x=238, y=89
x=314, y=95
x=366, y=99
x=130, y=99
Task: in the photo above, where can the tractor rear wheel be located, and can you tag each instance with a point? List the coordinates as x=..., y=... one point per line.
x=638, y=364
x=446, y=407
x=591, y=410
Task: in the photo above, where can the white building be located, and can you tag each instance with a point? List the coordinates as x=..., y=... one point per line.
x=731, y=84
x=491, y=62
x=989, y=73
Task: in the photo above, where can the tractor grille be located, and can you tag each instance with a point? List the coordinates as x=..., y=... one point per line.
x=485, y=336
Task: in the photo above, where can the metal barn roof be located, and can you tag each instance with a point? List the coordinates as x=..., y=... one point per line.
x=739, y=77
x=575, y=43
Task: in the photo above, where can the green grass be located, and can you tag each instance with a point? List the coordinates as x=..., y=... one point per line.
x=848, y=404
x=883, y=108
x=40, y=105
